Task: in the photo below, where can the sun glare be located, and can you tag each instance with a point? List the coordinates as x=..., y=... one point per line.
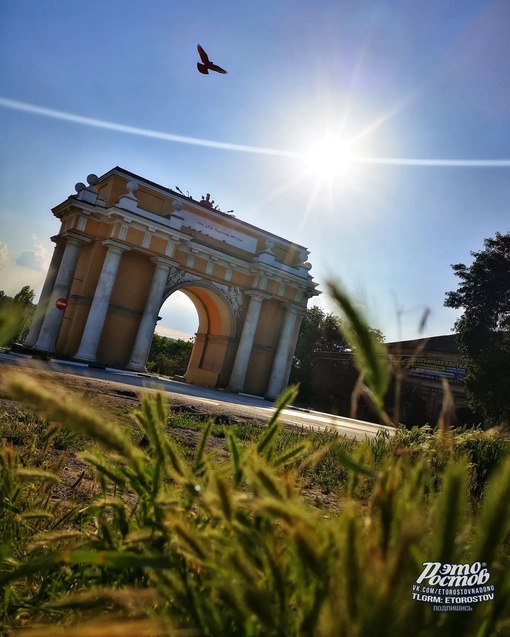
x=330, y=159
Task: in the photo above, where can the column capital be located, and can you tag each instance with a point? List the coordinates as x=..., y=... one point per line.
x=58, y=240
x=294, y=308
x=75, y=238
x=163, y=262
x=258, y=295
x=113, y=245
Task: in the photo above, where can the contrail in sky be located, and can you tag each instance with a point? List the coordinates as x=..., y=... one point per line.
x=480, y=163
x=182, y=139
x=134, y=130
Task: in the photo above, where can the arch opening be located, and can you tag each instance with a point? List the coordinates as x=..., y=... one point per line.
x=199, y=306
x=178, y=317
x=174, y=334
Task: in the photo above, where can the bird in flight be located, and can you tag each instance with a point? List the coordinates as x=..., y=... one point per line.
x=206, y=65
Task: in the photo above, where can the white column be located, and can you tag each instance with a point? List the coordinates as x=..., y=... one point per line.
x=50, y=327
x=150, y=315
x=99, y=308
x=47, y=289
x=283, y=352
x=244, y=348
x=293, y=344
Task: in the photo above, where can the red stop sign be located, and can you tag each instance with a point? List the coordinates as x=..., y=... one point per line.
x=61, y=303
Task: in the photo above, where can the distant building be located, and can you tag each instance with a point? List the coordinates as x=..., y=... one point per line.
x=428, y=361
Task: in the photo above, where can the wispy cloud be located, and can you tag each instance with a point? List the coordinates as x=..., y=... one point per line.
x=37, y=259
x=4, y=256
x=31, y=259
x=29, y=268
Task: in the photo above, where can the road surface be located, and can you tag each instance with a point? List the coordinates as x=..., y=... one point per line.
x=205, y=400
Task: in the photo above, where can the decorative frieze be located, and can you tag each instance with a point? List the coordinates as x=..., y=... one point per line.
x=177, y=277
x=233, y=295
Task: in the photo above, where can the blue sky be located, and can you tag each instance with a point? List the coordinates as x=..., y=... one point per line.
x=391, y=79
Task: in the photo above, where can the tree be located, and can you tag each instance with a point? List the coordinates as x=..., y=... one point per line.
x=483, y=330
x=319, y=332
x=24, y=300
x=169, y=356
x=25, y=297
x=18, y=312
x=323, y=364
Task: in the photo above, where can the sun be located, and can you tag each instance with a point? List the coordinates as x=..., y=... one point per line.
x=330, y=159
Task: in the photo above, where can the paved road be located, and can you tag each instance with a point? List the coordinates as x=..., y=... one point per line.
x=203, y=399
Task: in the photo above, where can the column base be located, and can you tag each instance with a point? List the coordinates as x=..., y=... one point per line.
x=135, y=367
x=43, y=353
x=21, y=348
x=81, y=358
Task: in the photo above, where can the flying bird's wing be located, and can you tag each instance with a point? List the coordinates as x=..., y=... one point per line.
x=203, y=55
x=218, y=69
x=206, y=64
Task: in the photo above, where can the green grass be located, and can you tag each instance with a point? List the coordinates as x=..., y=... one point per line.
x=36, y=436
x=178, y=543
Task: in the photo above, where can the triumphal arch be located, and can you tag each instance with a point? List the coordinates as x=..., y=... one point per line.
x=126, y=244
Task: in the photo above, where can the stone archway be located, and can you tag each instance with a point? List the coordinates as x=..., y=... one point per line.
x=125, y=244
x=218, y=307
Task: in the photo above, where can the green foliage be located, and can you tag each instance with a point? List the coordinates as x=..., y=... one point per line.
x=484, y=327
x=26, y=482
x=369, y=354
x=319, y=333
x=16, y=315
x=323, y=364
x=19, y=427
x=25, y=296
x=168, y=356
x=172, y=547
